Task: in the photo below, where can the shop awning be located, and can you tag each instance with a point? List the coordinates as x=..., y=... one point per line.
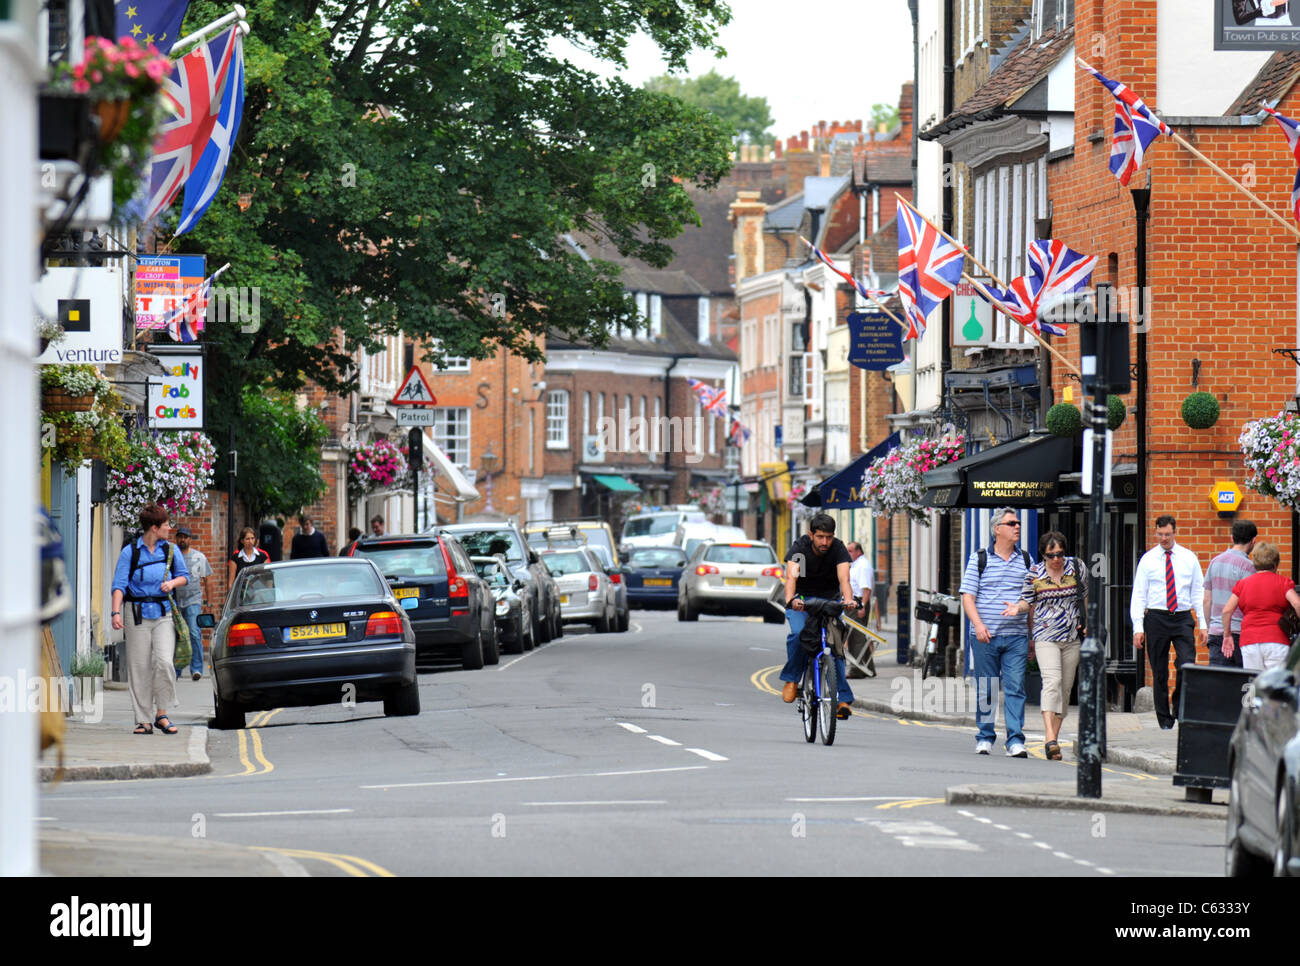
x=1020, y=472
x=616, y=484
x=464, y=491
x=842, y=491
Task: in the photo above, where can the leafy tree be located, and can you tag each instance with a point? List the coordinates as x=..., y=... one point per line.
x=279, y=454
x=747, y=117
x=886, y=114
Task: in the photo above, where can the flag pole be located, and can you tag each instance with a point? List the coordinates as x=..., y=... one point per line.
x=1236, y=184
x=1041, y=341
x=238, y=13
x=879, y=304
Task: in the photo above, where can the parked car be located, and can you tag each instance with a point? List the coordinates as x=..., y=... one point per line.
x=449, y=604
x=1264, y=778
x=652, y=575
x=487, y=539
x=689, y=536
x=550, y=534
x=586, y=592
x=301, y=632
x=730, y=579
x=514, y=607
x=656, y=528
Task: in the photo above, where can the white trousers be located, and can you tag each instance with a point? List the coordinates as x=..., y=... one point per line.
x=150, y=675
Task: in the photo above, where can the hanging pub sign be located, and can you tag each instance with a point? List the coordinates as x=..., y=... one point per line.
x=875, y=341
x=1256, y=25
x=176, y=399
x=162, y=283
x=87, y=303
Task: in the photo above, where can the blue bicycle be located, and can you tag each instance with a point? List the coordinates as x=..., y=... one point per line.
x=816, y=698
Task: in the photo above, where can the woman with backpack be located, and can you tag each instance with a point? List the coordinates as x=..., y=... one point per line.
x=1056, y=596
x=149, y=568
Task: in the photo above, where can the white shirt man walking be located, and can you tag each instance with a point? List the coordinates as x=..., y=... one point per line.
x=1167, y=588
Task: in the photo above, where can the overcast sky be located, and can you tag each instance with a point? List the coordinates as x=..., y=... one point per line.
x=814, y=60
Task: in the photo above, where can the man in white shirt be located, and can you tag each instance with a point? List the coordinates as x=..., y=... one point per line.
x=861, y=580
x=1168, y=588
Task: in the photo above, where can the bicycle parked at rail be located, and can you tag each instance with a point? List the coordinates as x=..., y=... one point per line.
x=816, y=697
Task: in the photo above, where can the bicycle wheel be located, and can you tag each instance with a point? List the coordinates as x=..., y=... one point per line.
x=826, y=700
x=808, y=705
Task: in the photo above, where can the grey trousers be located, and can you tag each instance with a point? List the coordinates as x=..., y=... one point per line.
x=150, y=675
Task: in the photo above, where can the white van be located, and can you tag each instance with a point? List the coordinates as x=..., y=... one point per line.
x=691, y=535
x=656, y=528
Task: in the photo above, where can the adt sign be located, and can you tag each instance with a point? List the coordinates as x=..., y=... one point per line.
x=1225, y=496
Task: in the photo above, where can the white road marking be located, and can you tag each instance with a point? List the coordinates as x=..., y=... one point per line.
x=1003, y=828
x=537, y=778
x=762, y=649
x=1063, y=855
x=986, y=821
x=629, y=801
x=664, y=741
x=1024, y=835
x=567, y=637
x=923, y=835
x=707, y=754
x=1104, y=871
x=632, y=728
x=95, y=798
x=864, y=798
x=1041, y=845
x=46, y=818
x=302, y=811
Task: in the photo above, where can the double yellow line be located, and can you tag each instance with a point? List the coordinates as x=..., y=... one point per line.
x=258, y=764
x=360, y=868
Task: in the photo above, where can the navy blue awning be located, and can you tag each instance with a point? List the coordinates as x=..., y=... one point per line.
x=843, y=490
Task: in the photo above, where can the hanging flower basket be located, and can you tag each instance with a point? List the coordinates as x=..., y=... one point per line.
x=113, y=116
x=1270, y=449
x=892, y=484
x=61, y=401
x=172, y=469
x=378, y=465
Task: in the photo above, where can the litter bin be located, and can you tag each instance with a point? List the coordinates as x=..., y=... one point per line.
x=904, y=612
x=1211, y=705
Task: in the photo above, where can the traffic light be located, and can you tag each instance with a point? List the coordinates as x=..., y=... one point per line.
x=1103, y=345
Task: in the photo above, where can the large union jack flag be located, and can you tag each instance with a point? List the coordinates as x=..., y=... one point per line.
x=929, y=268
x=1060, y=270
x=1292, y=131
x=194, y=90
x=1135, y=126
x=1019, y=302
x=707, y=395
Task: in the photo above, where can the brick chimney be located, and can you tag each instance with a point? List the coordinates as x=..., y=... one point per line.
x=906, y=112
x=746, y=214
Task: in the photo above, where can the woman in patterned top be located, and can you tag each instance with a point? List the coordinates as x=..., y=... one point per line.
x=1055, y=595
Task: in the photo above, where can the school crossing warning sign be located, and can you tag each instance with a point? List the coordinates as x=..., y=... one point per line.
x=415, y=390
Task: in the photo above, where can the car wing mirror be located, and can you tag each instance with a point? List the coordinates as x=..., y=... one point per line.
x=206, y=620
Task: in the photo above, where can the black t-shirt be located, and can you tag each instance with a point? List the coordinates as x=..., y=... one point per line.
x=817, y=576
x=307, y=545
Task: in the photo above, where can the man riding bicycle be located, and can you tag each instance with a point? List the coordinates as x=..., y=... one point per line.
x=817, y=566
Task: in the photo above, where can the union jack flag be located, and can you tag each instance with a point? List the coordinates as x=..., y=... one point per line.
x=1292, y=131
x=706, y=394
x=738, y=435
x=1060, y=270
x=210, y=169
x=195, y=90
x=718, y=404
x=1135, y=126
x=185, y=322
x=1019, y=302
x=929, y=268
x=867, y=293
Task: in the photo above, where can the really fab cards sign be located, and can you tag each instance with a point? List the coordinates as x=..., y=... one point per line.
x=176, y=398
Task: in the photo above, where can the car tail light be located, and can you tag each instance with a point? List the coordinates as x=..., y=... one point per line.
x=616, y=578
x=384, y=623
x=457, y=587
x=773, y=572
x=592, y=582
x=704, y=569
x=241, y=634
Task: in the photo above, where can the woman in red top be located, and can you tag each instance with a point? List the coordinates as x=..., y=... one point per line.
x=1263, y=598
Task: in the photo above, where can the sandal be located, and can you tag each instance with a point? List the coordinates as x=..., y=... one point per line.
x=168, y=728
x=143, y=729
x=1053, y=751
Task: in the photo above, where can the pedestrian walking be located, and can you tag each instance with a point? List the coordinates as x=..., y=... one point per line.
x=247, y=554
x=148, y=568
x=1221, y=576
x=308, y=542
x=353, y=536
x=817, y=565
x=1055, y=595
x=1263, y=599
x=376, y=526
x=992, y=582
x=192, y=596
x=1168, y=588
x=861, y=580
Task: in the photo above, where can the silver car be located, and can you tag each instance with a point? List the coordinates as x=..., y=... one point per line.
x=586, y=592
x=731, y=579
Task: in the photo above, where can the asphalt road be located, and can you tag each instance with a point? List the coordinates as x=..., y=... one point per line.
x=661, y=751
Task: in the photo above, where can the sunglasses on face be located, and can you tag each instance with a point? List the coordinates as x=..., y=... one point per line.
x=1053, y=556
x=1013, y=523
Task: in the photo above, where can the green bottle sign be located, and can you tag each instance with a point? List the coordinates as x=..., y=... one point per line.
x=972, y=317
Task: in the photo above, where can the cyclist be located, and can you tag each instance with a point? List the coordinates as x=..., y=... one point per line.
x=818, y=566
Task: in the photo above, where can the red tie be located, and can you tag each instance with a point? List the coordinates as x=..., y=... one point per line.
x=1171, y=592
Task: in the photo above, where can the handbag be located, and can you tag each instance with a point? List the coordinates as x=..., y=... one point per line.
x=181, y=658
x=1290, y=624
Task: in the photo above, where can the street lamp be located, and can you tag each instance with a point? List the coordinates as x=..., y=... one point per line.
x=490, y=463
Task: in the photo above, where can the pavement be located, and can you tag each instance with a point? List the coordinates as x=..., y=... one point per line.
x=99, y=745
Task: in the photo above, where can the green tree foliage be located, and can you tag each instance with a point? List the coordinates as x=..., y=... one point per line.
x=279, y=454
x=886, y=114
x=748, y=117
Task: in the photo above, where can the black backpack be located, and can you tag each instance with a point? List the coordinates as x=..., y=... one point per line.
x=136, y=565
x=984, y=559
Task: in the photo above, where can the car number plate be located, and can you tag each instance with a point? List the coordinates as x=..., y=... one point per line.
x=658, y=582
x=740, y=581
x=315, y=632
x=402, y=592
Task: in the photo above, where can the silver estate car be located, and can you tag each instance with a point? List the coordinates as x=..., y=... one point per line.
x=731, y=579
x=586, y=592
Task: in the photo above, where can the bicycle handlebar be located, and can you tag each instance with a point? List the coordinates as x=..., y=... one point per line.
x=823, y=607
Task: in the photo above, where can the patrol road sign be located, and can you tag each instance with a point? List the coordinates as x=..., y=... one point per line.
x=416, y=416
x=415, y=390
x=1225, y=496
